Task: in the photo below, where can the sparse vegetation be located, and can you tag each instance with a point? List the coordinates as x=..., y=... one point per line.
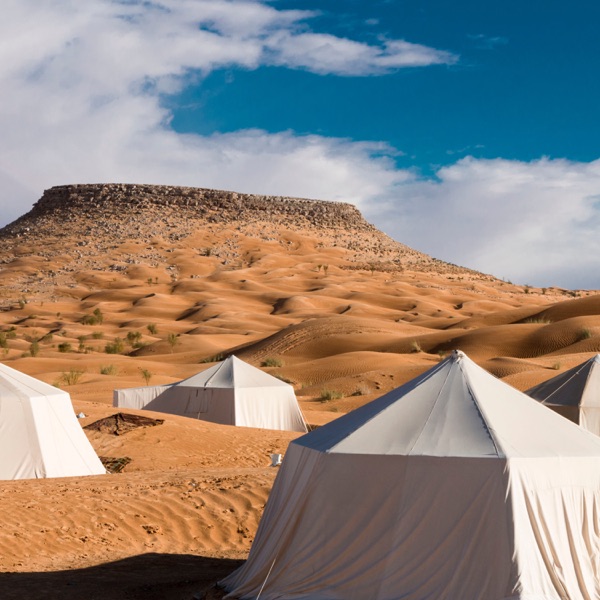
x=65, y=347
x=98, y=335
x=34, y=348
x=584, y=334
x=134, y=338
x=284, y=379
x=271, y=362
x=556, y=366
x=214, y=358
x=71, y=377
x=147, y=375
x=115, y=347
x=173, y=340
x=415, y=346
x=108, y=370
x=541, y=320
x=152, y=328
x=328, y=395
x=362, y=390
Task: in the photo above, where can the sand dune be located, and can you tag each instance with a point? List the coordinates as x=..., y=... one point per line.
x=343, y=314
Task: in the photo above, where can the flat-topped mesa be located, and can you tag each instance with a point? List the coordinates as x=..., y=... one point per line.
x=88, y=220
x=215, y=206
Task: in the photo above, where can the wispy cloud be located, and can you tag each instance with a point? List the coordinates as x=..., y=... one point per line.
x=487, y=42
x=84, y=82
x=83, y=88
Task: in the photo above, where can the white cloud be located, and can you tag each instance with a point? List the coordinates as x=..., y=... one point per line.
x=82, y=88
x=83, y=83
x=534, y=222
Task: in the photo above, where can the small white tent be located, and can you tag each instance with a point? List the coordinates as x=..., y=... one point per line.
x=39, y=433
x=575, y=394
x=231, y=392
x=455, y=486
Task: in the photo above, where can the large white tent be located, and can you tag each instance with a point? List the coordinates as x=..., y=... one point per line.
x=455, y=486
x=575, y=394
x=39, y=433
x=231, y=392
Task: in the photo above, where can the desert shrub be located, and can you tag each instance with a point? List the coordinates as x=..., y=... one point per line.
x=415, y=346
x=556, y=366
x=46, y=338
x=65, y=347
x=98, y=335
x=108, y=370
x=213, y=358
x=284, y=379
x=147, y=375
x=34, y=348
x=3, y=340
x=584, y=334
x=89, y=320
x=362, y=390
x=542, y=320
x=327, y=395
x=134, y=337
x=152, y=328
x=11, y=334
x=173, y=340
x=71, y=377
x=99, y=316
x=271, y=362
x=115, y=347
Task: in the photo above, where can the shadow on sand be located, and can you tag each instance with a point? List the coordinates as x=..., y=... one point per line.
x=143, y=577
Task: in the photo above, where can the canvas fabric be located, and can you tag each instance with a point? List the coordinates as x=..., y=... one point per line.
x=231, y=393
x=39, y=433
x=574, y=394
x=453, y=486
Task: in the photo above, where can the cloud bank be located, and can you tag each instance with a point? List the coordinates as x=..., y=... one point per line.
x=534, y=222
x=84, y=87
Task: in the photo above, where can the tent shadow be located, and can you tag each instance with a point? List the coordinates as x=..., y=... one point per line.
x=146, y=576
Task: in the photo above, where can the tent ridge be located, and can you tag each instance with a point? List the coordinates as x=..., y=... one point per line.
x=490, y=431
x=426, y=421
x=377, y=414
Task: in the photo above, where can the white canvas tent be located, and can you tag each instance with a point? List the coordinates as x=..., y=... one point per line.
x=575, y=394
x=455, y=486
x=39, y=433
x=231, y=393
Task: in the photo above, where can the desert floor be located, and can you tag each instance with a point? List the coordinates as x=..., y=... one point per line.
x=184, y=511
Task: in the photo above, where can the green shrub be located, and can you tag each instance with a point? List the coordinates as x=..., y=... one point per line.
x=34, y=348
x=584, y=334
x=147, y=375
x=134, y=337
x=173, y=340
x=71, y=377
x=327, y=395
x=65, y=347
x=213, y=358
x=271, y=362
x=108, y=370
x=98, y=335
x=115, y=347
x=152, y=328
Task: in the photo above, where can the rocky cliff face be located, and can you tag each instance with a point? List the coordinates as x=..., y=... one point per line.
x=101, y=227
x=215, y=206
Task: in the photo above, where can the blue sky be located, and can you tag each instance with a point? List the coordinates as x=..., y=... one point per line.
x=468, y=130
